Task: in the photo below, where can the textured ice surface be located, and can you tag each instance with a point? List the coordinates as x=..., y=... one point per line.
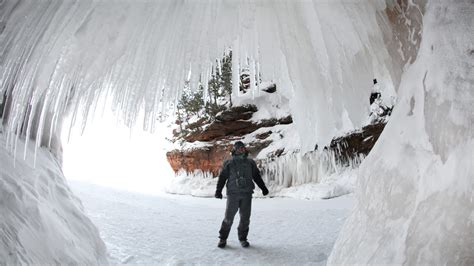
x=415, y=190
x=41, y=221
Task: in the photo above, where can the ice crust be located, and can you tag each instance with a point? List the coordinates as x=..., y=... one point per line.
x=41, y=221
x=59, y=55
x=415, y=203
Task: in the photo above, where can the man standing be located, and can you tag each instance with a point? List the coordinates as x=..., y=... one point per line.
x=239, y=172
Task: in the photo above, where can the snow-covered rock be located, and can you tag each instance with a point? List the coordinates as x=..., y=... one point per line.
x=262, y=122
x=415, y=190
x=41, y=221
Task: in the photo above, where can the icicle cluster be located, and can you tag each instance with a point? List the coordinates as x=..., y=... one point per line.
x=297, y=168
x=61, y=56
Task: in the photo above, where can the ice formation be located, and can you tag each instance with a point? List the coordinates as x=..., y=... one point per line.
x=415, y=189
x=60, y=56
x=297, y=169
x=41, y=221
x=57, y=56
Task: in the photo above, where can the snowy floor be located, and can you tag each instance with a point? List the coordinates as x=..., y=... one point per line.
x=171, y=229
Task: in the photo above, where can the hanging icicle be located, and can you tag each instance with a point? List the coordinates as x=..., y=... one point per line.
x=58, y=57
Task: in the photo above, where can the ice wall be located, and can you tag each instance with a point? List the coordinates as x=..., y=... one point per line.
x=41, y=221
x=415, y=190
x=56, y=56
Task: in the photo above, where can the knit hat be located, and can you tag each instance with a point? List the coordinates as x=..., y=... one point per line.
x=238, y=145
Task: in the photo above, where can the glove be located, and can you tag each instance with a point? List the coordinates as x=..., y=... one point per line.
x=265, y=191
x=218, y=194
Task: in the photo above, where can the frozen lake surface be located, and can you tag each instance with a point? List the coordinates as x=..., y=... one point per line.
x=171, y=229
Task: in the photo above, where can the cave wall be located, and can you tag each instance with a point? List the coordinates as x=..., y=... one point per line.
x=414, y=193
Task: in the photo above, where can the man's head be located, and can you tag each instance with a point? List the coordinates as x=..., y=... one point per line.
x=375, y=81
x=239, y=148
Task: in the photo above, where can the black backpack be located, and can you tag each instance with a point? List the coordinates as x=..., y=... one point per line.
x=240, y=176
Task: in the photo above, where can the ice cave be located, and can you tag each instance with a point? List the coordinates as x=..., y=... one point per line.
x=123, y=126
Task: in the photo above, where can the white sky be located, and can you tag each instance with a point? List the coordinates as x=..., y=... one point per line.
x=108, y=155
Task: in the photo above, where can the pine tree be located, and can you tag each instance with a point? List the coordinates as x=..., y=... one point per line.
x=226, y=77
x=191, y=103
x=214, y=87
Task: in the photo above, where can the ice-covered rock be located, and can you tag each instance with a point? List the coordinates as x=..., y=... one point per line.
x=41, y=221
x=262, y=123
x=415, y=190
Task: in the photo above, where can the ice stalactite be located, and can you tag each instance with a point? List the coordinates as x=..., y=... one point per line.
x=298, y=169
x=59, y=56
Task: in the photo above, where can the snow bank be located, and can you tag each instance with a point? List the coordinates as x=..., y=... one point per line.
x=41, y=221
x=415, y=190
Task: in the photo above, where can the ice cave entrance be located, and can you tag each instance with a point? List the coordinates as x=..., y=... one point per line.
x=121, y=175
x=110, y=154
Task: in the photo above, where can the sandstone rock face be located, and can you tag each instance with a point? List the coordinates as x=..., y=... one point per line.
x=406, y=20
x=220, y=130
x=233, y=122
x=218, y=137
x=343, y=153
x=206, y=143
x=349, y=147
x=207, y=159
x=403, y=22
x=346, y=149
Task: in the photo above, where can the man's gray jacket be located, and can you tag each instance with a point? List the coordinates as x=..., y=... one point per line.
x=239, y=173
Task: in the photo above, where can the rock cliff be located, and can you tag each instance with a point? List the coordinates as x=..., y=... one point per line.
x=209, y=143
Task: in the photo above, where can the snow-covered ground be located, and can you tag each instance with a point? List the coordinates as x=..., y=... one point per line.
x=171, y=229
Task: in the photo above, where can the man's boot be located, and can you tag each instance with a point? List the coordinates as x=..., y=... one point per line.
x=244, y=243
x=222, y=243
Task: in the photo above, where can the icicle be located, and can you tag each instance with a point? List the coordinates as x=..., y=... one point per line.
x=235, y=69
x=205, y=84
x=252, y=77
x=258, y=79
x=129, y=51
x=297, y=169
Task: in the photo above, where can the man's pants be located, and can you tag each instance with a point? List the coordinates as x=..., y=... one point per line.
x=242, y=203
